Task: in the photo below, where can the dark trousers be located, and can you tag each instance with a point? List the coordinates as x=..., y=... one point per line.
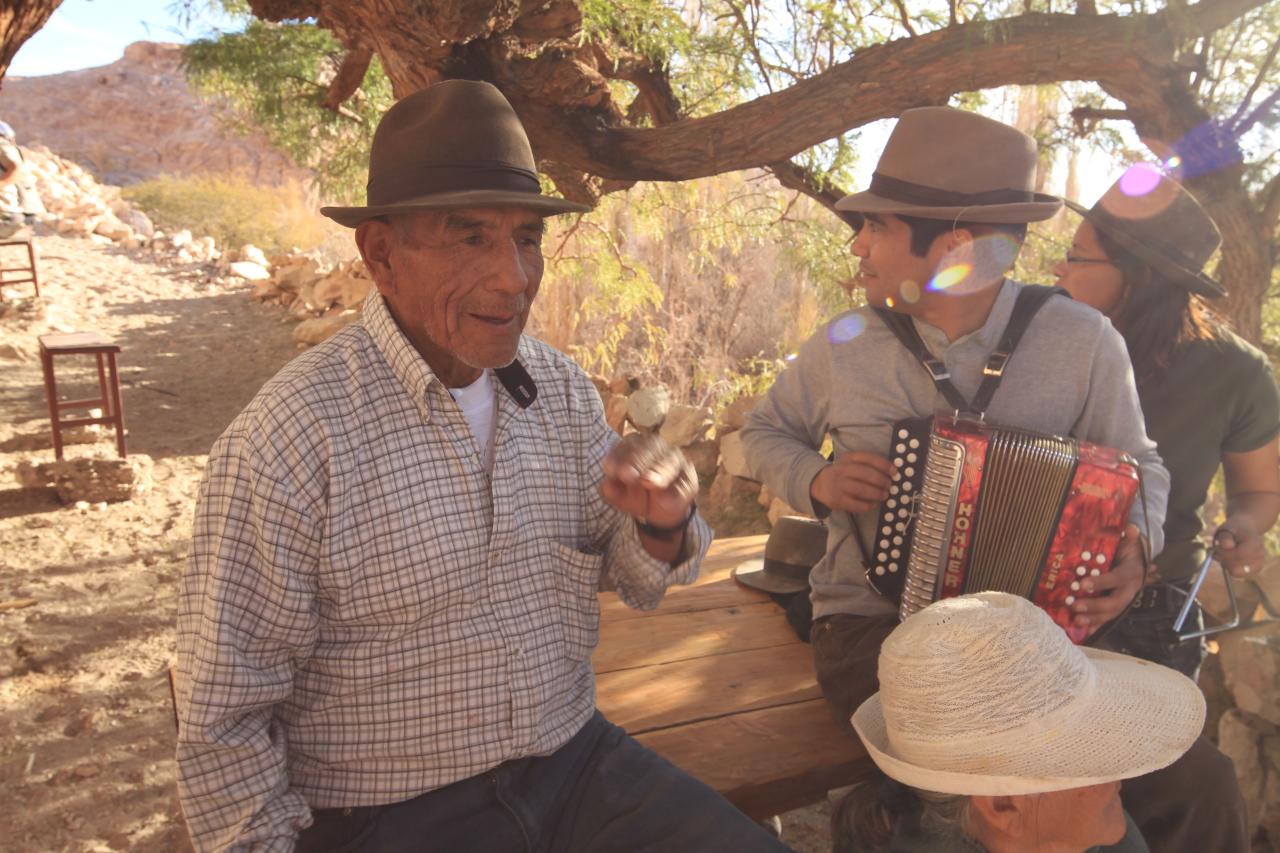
x=1192, y=806
x=601, y=791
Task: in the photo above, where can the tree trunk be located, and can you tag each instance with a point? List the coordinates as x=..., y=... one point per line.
x=19, y=20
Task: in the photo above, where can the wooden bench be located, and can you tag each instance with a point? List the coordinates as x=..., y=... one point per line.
x=716, y=681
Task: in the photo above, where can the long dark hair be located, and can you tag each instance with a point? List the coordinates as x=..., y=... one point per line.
x=1156, y=315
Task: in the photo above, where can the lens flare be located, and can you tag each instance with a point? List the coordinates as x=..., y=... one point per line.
x=1173, y=162
x=1139, y=179
x=791, y=356
x=910, y=292
x=949, y=277
x=846, y=328
x=888, y=302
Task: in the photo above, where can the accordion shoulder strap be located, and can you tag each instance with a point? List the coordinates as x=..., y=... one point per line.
x=1030, y=299
x=905, y=331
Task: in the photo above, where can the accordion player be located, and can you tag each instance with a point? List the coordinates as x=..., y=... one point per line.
x=975, y=508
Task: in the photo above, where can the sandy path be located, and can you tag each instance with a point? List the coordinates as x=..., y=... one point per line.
x=86, y=734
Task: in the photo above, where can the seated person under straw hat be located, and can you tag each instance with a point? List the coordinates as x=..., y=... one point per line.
x=995, y=733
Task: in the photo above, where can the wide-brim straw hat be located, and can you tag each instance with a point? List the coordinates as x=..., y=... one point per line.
x=455, y=144
x=944, y=163
x=794, y=546
x=1156, y=220
x=984, y=695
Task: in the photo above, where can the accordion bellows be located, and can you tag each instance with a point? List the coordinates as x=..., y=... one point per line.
x=976, y=508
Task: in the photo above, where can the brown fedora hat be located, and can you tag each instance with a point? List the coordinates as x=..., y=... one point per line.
x=944, y=163
x=794, y=545
x=1156, y=220
x=455, y=144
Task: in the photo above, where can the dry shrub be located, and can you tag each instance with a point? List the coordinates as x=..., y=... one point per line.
x=234, y=210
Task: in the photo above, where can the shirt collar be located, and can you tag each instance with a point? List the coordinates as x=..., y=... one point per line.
x=412, y=370
x=408, y=365
x=986, y=336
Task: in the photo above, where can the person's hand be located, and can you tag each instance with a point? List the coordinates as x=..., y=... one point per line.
x=1106, y=596
x=1239, y=548
x=854, y=482
x=649, y=480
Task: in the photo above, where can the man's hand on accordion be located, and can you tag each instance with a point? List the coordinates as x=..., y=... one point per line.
x=1111, y=593
x=854, y=482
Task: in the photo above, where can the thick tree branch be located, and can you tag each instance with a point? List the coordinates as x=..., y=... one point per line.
x=906, y=17
x=1233, y=122
x=1081, y=115
x=1269, y=204
x=876, y=83
x=348, y=79
x=18, y=22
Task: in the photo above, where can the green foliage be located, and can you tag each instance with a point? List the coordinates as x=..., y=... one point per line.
x=232, y=210
x=274, y=76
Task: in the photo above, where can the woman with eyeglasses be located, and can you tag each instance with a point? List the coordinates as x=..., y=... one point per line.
x=1209, y=398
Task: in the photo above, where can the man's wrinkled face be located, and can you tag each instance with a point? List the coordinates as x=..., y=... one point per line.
x=889, y=271
x=459, y=282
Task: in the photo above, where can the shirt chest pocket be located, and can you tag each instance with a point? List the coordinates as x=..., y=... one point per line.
x=575, y=584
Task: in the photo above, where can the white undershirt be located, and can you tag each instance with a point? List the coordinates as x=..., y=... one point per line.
x=477, y=402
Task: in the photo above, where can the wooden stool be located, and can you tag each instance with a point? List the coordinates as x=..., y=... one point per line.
x=84, y=343
x=24, y=273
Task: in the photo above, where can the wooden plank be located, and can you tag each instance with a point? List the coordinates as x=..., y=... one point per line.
x=652, y=697
x=724, y=554
x=767, y=761
x=718, y=594
x=667, y=637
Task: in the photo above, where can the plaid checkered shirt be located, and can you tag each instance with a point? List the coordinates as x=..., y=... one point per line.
x=368, y=614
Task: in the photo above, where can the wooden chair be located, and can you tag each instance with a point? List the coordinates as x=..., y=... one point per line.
x=105, y=350
x=22, y=274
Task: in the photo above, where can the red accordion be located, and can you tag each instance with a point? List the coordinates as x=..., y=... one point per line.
x=975, y=508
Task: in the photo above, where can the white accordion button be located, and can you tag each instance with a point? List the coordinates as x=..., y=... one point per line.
x=902, y=433
x=1071, y=599
x=901, y=448
x=914, y=443
x=910, y=472
x=893, y=567
x=906, y=487
x=1086, y=556
x=895, y=553
x=911, y=457
x=893, y=490
x=1081, y=570
x=884, y=543
x=1095, y=572
x=1100, y=559
x=902, y=513
x=897, y=463
x=1075, y=585
x=897, y=540
x=886, y=530
x=879, y=570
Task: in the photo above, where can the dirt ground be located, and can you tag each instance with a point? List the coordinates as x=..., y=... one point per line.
x=86, y=728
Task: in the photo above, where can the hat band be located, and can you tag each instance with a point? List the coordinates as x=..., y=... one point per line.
x=424, y=179
x=796, y=571
x=1145, y=245
x=896, y=189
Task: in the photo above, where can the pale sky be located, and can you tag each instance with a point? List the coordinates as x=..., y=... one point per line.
x=90, y=33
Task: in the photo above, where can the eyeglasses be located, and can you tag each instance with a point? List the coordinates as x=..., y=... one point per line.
x=1074, y=259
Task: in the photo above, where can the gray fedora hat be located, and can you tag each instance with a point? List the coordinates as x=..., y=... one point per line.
x=794, y=545
x=1156, y=220
x=455, y=144
x=944, y=163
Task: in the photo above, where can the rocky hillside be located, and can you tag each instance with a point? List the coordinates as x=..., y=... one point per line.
x=135, y=119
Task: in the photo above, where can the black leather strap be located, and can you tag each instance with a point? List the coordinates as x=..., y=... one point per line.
x=1029, y=301
x=905, y=330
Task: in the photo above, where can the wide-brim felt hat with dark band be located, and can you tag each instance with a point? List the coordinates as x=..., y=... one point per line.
x=944, y=163
x=1156, y=220
x=455, y=144
x=794, y=546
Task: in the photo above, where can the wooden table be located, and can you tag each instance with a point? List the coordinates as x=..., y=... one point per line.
x=716, y=681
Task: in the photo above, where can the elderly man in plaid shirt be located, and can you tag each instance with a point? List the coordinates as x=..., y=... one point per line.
x=386, y=628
